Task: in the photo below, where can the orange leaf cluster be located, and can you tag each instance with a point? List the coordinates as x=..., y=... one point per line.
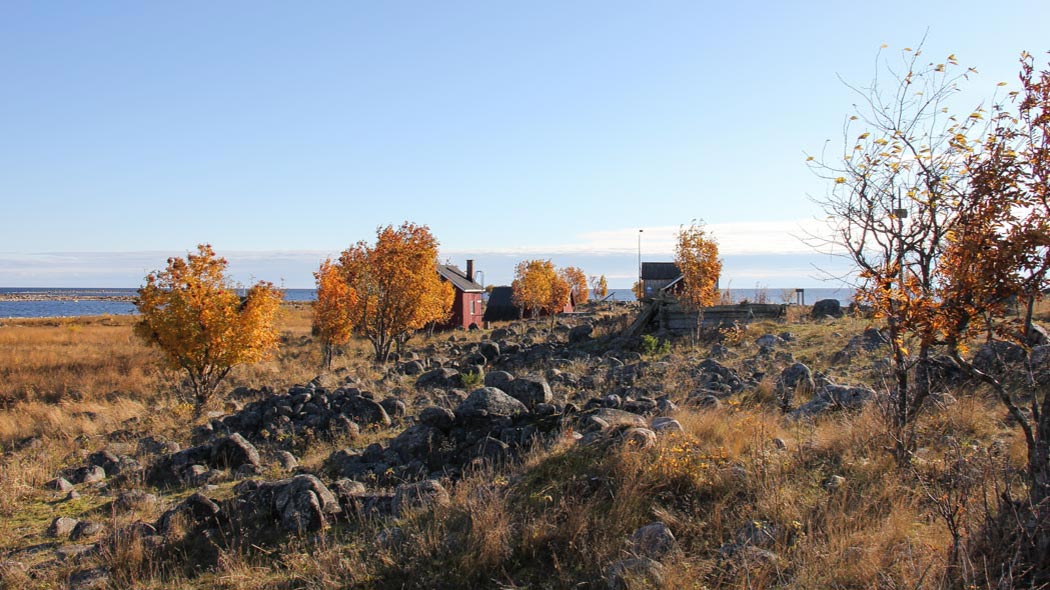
x=539, y=288
x=192, y=312
x=577, y=281
x=395, y=286
x=696, y=254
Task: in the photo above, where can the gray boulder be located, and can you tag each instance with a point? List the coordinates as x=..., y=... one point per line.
x=499, y=379
x=61, y=527
x=489, y=402
x=995, y=357
x=304, y=503
x=440, y=418
x=88, y=474
x=654, y=540
x=826, y=308
x=581, y=333
x=438, y=378
x=234, y=451
x=531, y=391
x=1040, y=363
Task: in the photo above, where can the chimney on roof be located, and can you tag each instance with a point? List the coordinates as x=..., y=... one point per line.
x=470, y=270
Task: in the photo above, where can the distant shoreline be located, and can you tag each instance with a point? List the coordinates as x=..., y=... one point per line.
x=63, y=297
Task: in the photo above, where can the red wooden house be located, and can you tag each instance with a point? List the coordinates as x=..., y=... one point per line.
x=467, y=307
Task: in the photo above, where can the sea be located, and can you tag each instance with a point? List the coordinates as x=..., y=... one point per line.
x=42, y=302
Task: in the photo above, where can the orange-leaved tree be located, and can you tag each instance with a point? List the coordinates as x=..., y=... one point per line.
x=539, y=288
x=696, y=254
x=600, y=287
x=332, y=320
x=999, y=250
x=577, y=281
x=193, y=313
x=397, y=285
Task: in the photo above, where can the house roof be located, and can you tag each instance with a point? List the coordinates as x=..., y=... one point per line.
x=656, y=271
x=459, y=279
x=500, y=306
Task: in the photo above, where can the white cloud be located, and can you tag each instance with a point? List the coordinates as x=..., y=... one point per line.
x=745, y=237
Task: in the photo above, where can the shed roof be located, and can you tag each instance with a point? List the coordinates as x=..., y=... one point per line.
x=459, y=279
x=500, y=306
x=656, y=271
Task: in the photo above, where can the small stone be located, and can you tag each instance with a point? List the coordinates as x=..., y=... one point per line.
x=86, y=529
x=835, y=482
x=61, y=527
x=59, y=484
x=89, y=474
x=287, y=461
x=641, y=438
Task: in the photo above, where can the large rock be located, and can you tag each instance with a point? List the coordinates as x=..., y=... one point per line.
x=1040, y=362
x=489, y=402
x=366, y=410
x=438, y=378
x=234, y=451
x=653, y=540
x=301, y=504
x=499, y=379
x=797, y=377
x=531, y=391
x=437, y=417
x=489, y=350
x=304, y=503
x=826, y=308
x=581, y=333
x=606, y=418
x=832, y=397
x=995, y=357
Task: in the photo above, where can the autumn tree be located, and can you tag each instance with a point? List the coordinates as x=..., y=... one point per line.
x=895, y=191
x=332, y=320
x=539, y=288
x=192, y=312
x=397, y=287
x=577, y=281
x=600, y=287
x=999, y=250
x=696, y=255
x=638, y=289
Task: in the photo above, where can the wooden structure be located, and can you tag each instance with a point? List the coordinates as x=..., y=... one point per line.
x=666, y=314
x=467, y=307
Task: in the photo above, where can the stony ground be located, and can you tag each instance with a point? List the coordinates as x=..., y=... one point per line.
x=530, y=457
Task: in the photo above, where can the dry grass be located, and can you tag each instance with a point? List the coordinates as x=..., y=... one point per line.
x=562, y=515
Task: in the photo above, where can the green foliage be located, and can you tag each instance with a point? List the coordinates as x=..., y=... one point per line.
x=654, y=346
x=471, y=379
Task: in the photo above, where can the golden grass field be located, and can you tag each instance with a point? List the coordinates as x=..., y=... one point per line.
x=555, y=519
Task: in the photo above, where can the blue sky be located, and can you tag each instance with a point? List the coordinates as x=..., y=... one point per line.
x=283, y=132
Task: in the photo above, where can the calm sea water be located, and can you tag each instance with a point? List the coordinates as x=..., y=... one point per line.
x=77, y=302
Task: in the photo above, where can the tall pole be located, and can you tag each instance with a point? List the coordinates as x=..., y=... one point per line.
x=640, y=258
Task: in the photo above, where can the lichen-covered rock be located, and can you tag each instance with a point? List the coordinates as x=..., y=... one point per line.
x=61, y=527
x=531, y=391
x=654, y=540
x=489, y=402
x=440, y=418
x=234, y=451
